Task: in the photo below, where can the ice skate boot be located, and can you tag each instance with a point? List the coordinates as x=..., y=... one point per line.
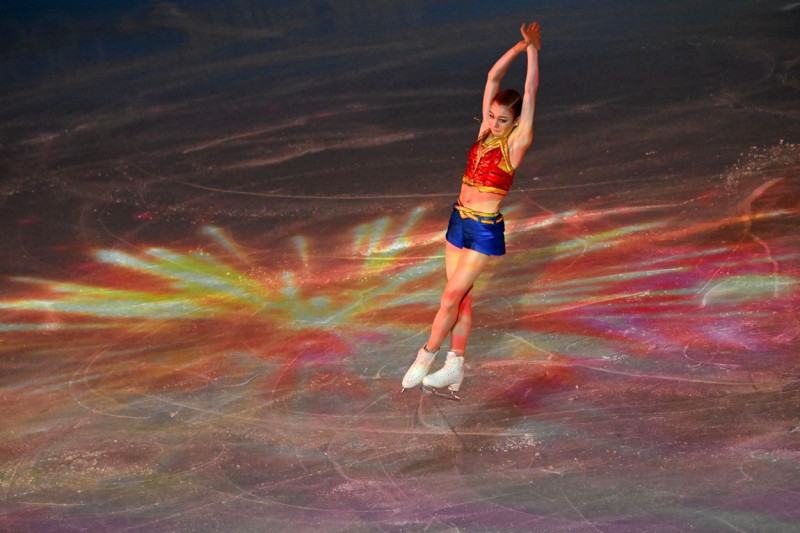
x=450, y=375
x=419, y=369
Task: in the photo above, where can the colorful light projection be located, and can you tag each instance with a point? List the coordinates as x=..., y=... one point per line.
x=643, y=288
x=160, y=387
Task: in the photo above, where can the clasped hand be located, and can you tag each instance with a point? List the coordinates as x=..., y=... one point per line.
x=531, y=35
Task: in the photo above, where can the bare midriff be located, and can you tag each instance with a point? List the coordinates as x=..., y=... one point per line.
x=485, y=202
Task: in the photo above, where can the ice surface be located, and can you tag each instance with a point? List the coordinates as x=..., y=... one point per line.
x=223, y=244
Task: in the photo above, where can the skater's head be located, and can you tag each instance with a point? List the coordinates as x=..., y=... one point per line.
x=504, y=112
x=511, y=99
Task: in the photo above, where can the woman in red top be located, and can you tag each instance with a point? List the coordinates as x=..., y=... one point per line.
x=476, y=227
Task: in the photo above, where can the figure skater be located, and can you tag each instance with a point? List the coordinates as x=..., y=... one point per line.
x=475, y=232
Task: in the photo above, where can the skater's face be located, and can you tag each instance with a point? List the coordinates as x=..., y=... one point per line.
x=501, y=119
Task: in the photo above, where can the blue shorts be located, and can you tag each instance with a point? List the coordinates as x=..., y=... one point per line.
x=484, y=235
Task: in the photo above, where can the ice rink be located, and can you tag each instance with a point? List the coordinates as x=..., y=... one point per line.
x=223, y=243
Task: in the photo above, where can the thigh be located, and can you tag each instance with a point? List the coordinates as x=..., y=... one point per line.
x=468, y=267
x=451, y=256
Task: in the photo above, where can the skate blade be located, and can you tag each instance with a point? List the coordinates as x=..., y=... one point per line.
x=450, y=395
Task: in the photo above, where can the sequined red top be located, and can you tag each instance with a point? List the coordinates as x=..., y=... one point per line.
x=488, y=167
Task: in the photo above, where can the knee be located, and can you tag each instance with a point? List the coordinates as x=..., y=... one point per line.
x=451, y=299
x=455, y=298
x=465, y=309
x=466, y=302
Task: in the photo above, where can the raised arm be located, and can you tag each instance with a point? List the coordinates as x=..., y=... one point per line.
x=494, y=78
x=522, y=136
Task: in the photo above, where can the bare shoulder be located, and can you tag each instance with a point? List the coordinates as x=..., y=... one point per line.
x=520, y=138
x=483, y=128
x=518, y=144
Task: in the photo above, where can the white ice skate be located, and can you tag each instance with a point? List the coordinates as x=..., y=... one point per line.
x=450, y=375
x=419, y=368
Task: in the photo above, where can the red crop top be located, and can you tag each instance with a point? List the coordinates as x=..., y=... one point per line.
x=488, y=167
